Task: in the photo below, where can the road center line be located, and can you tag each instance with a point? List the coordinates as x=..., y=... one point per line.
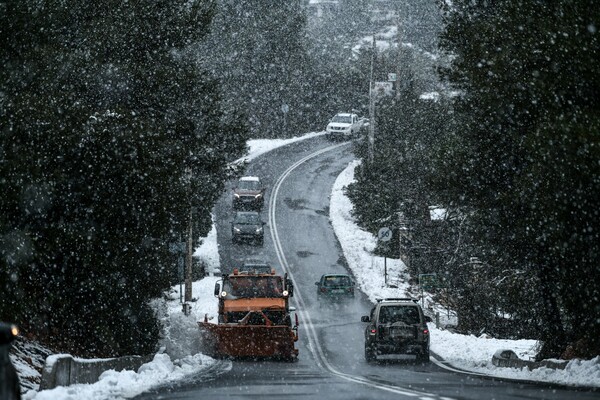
x=310, y=331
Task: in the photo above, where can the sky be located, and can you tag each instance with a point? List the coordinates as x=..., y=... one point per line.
x=179, y=357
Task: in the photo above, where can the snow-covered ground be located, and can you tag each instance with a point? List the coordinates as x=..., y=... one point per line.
x=256, y=147
x=179, y=355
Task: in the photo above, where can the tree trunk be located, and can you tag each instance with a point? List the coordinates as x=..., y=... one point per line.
x=553, y=333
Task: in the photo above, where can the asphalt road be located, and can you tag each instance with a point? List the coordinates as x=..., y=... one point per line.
x=300, y=240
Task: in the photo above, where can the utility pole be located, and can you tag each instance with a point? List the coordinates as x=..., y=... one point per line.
x=403, y=233
x=189, y=244
x=188, y=261
x=398, y=27
x=371, y=138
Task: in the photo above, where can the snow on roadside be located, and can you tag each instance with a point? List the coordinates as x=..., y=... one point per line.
x=127, y=384
x=258, y=147
x=473, y=351
x=180, y=343
x=465, y=352
x=474, y=354
x=208, y=251
x=358, y=244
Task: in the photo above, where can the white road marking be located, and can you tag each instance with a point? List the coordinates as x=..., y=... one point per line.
x=310, y=331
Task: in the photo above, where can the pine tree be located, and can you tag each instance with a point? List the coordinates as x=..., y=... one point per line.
x=529, y=80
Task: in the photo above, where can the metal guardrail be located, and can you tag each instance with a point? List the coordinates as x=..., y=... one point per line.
x=65, y=370
x=509, y=359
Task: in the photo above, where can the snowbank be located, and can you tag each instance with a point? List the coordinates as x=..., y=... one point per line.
x=464, y=352
x=358, y=245
x=258, y=147
x=127, y=384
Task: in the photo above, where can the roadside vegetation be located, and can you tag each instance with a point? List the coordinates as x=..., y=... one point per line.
x=119, y=118
x=513, y=162
x=111, y=136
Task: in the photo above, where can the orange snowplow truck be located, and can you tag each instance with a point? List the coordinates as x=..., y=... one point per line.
x=254, y=317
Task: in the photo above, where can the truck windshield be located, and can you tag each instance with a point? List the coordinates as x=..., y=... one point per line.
x=254, y=286
x=247, y=219
x=249, y=185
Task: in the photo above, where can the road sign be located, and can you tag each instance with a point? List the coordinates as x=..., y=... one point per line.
x=384, y=234
x=177, y=247
x=180, y=265
x=428, y=281
x=383, y=88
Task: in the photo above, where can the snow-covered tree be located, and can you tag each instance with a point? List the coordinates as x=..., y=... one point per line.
x=110, y=134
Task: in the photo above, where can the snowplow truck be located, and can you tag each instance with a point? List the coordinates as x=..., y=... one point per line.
x=254, y=317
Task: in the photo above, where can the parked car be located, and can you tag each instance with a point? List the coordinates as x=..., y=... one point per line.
x=247, y=226
x=258, y=266
x=10, y=389
x=396, y=326
x=335, y=286
x=248, y=194
x=344, y=126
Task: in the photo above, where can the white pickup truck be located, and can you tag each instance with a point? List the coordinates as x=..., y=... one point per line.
x=344, y=125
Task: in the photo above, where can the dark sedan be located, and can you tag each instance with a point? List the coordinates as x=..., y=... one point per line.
x=247, y=226
x=335, y=286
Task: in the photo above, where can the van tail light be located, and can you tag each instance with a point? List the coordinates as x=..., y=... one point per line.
x=373, y=331
x=425, y=331
x=323, y=290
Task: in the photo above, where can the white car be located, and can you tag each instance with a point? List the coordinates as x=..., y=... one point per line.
x=344, y=125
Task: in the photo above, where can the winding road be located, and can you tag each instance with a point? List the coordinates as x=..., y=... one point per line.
x=299, y=240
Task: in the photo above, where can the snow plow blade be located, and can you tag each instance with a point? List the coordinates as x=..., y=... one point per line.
x=238, y=340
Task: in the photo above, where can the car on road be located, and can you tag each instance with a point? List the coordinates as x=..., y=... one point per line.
x=344, y=126
x=335, y=286
x=10, y=388
x=248, y=194
x=256, y=265
x=247, y=226
x=396, y=326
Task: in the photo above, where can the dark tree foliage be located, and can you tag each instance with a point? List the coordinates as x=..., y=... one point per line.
x=391, y=190
x=514, y=161
x=110, y=134
x=256, y=49
x=526, y=154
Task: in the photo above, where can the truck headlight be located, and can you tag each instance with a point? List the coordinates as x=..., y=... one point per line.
x=259, y=230
x=237, y=230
